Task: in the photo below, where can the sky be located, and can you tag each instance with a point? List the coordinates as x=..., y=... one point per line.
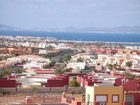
x=45, y=14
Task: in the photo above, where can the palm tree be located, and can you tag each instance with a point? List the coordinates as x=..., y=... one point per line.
x=5, y=73
x=74, y=82
x=128, y=64
x=80, y=60
x=129, y=75
x=59, y=72
x=110, y=66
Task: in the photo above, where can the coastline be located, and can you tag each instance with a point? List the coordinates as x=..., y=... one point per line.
x=126, y=39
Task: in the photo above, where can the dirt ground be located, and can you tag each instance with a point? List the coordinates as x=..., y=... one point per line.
x=36, y=98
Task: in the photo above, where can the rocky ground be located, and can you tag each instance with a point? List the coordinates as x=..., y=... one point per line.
x=37, y=98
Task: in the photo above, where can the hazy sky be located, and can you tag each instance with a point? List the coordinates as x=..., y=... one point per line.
x=69, y=13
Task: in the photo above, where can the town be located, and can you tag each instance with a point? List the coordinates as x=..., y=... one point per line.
x=47, y=71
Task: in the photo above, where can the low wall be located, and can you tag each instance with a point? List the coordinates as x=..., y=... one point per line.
x=46, y=90
x=69, y=101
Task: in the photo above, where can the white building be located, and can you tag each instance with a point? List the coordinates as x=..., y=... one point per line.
x=42, y=51
x=36, y=61
x=76, y=66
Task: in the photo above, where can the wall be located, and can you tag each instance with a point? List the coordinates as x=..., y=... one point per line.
x=118, y=81
x=131, y=85
x=110, y=91
x=60, y=81
x=7, y=83
x=89, y=91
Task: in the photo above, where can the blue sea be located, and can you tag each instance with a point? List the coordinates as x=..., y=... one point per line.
x=106, y=37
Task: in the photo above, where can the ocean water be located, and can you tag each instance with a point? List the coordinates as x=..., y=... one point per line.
x=107, y=37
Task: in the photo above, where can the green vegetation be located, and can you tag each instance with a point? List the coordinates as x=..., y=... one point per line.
x=61, y=60
x=68, y=70
x=16, y=69
x=4, y=73
x=80, y=60
x=82, y=51
x=50, y=47
x=74, y=83
x=66, y=58
x=35, y=50
x=5, y=57
x=88, y=69
x=7, y=71
x=54, y=54
x=61, y=56
x=50, y=55
x=3, y=91
x=128, y=64
x=110, y=66
x=129, y=75
x=59, y=72
x=115, y=65
x=51, y=64
x=34, y=89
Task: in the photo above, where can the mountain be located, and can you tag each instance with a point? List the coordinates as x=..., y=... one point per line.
x=8, y=28
x=121, y=29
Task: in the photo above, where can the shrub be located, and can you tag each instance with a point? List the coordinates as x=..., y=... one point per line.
x=74, y=83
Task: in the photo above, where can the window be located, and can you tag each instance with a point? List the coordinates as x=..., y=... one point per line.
x=115, y=98
x=100, y=98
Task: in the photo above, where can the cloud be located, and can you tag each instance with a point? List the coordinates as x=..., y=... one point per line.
x=65, y=13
